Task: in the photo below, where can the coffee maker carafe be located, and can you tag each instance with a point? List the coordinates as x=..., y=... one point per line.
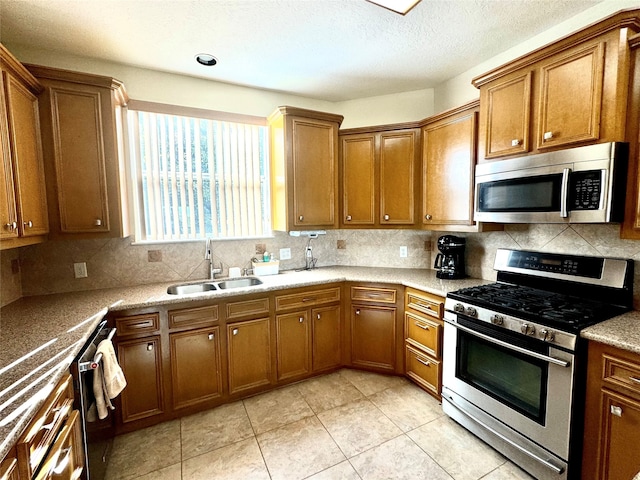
x=450, y=263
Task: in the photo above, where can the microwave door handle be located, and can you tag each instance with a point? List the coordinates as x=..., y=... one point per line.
x=564, y=193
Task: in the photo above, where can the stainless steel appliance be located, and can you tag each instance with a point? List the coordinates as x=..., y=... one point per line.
x=450, y=262
x=578, y=185
x=514, y=365
x=96, y=434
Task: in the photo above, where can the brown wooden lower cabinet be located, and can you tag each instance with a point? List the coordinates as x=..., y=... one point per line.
x=326, y=328
x=141, y=363
x=612, y=414
x=373, y=337
x=293, y=344
x=196, y=371
x=249, y=355
x=65, y=460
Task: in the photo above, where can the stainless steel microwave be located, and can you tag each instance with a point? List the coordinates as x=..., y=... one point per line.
x=577, y=185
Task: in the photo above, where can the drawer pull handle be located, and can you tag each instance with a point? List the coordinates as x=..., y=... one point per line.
x=635, y=380
x=62, y=464
x=615, y=410
x=423, y=305
x=422, y=326
x=424, y=362
x=309, y=299
x=140, y=324
x=59, y=412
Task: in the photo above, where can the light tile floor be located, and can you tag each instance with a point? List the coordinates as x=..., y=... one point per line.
x=346, y=425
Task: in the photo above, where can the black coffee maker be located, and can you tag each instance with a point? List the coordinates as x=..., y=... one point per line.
x=450, y=263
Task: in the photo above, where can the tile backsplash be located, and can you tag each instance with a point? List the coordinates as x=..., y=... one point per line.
x=48, y=267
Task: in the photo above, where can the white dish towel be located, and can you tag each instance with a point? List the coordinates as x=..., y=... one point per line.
x=108, y=378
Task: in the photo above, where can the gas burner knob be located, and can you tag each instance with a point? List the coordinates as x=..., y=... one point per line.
x=547, y=335
x=497, y=319
x=471, y=312
x=458, y=307
x=527, y=329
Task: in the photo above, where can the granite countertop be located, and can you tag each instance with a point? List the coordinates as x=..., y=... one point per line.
x=40, y=335
x=621, y=332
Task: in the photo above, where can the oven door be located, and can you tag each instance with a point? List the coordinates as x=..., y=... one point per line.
x=523, y=383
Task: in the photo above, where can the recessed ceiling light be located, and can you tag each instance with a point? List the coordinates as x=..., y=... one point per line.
x=398, y=6
x=206, y=59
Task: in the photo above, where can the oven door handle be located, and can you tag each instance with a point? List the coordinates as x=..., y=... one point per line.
x=543, y=461
x=546, y=358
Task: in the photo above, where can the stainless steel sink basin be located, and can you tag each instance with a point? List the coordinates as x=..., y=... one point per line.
x=239, y=282
x=209, y=285
x=190, y=288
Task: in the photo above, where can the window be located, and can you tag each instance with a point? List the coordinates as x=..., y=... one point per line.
x=198, y=174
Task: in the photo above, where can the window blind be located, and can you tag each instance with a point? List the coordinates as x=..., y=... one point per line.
x=198, y=177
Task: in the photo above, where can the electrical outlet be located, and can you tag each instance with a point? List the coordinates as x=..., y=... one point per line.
x=285, y=254
x=403, y=252
x=80, y=270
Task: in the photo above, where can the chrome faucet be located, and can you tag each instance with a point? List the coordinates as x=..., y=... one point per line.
x=213, y=271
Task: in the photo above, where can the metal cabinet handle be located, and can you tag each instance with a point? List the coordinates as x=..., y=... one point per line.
x=11, y=226
x=60, y=411
x=635, y=379
x=97, y=222
x=515, y=142
x=309, y=299
x=422, y=326
x=423, y=305
x=301, y=218
x=615, y=410
x=424, y=362
x=547, y=136
x=234, y=331
x=348, y=218
x=386, y=217
x=63, y=462
x=28, y=224
x=318, y=317
x=358, y=312
x=211, y=336
x=149, y=347
x=428, y=217
x=301, y=319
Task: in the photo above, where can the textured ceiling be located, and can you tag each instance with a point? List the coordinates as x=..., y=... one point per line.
x=326, y=49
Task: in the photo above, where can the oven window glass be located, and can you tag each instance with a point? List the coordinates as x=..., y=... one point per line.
x=515, y=380
x=531, y=194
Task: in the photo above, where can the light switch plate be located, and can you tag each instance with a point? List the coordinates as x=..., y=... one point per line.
x=403, y=252
x=285, y=253
x=80, y=270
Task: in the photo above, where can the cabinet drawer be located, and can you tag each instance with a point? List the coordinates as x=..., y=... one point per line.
x=425, y=303
x=246, y=308
x=65, y=460
x=618, y=372
x=372, y=294
x=138, y=324
x=41, y=433
x=424, y=370
x=308, y=298
x=9, y=469
x=188, y=317
x=423, y=333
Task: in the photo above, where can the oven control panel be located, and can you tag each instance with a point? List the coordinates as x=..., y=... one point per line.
x=530, y=329
x=552, y=265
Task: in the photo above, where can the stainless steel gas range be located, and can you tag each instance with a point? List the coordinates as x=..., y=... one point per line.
x=514, y=365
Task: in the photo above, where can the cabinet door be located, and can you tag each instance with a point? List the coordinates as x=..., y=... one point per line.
x=141, y=362
x=326, y=337
x=315, y=172
x=79, y=158
x=398, y=151
x=619, y=437
x=8, y=213
x=195, y=366
x=293, y=345
x=249, y=345
x=26, y=151
x=358, y=179
x=449, y=162
x=571, y=98
x=65, y=460
x=507, y=117
x=373, y=337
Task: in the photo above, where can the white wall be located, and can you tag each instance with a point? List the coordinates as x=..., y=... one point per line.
x=458, y=90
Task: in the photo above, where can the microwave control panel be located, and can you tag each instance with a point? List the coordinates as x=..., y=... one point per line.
x=585, y=190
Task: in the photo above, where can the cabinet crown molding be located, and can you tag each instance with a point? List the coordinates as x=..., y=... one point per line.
x=12, y=64
x=302, y=112
x=625, y=19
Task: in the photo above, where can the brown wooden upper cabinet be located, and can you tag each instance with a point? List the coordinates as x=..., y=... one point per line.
x=23, y=210
x=304, y=169
x=80, y=116
x=448, y=163
x=569, y=93
x=379, y=169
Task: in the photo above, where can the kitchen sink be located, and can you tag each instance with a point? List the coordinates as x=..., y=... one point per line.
x=210, y=286
x=190, y=288
x=239, y=282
